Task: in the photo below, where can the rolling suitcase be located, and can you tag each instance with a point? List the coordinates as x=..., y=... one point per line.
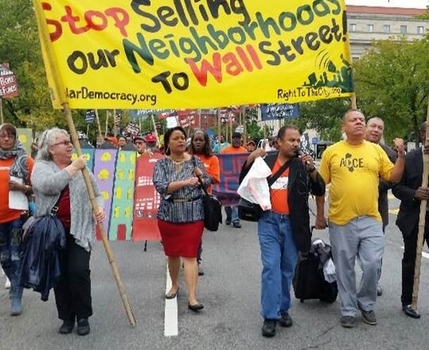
x=309, y=280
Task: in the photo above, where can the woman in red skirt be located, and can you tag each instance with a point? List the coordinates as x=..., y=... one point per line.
x=180, y=212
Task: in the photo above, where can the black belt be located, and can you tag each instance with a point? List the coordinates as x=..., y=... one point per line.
x=184, y=200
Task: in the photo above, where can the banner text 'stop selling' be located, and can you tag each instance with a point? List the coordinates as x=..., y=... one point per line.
x=146, y=54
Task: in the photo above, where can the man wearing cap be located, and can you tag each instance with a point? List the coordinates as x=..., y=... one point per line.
x=232, y=212
x=251, y=146
x=140, y=143
x=151, y=143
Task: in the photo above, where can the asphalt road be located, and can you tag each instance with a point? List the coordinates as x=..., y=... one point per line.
x=230, y=291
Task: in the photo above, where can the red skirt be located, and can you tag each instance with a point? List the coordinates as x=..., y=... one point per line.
x=181, y=239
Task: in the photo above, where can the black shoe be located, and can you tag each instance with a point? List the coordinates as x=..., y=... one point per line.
x=195, y=307
x=269, y=328
x=236, y=224
x=368, y=316
x=83, y=326
x=410, y=312
x=200, y=271
x=228, y=222
x=379, y=291
x=348, y=321
x=285, y=320
x=66, y=327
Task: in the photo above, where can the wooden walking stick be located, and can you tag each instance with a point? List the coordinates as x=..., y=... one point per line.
x=353, y=100
x=1, y=111
x=97, y=119
x=107, y=123
x=422, y=219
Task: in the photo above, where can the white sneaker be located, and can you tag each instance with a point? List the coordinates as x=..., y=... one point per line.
x=7, y=284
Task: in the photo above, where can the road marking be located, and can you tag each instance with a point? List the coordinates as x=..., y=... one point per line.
x=171, y=321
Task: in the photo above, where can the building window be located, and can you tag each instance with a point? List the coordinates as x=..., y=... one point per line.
x=370, y=28
x=386, y=28
x=403, y=29
x=352, y=27
x=420, y=30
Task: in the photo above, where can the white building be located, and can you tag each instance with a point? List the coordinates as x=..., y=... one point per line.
x=367, y=23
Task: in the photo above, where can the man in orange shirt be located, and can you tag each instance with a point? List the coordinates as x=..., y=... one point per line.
x=232, y=212
x=285, y=229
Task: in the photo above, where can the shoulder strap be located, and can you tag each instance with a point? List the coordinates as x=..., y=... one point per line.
x=200, y=180
x=274, y=177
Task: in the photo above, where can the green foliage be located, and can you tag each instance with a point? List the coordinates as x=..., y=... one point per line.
x=425, y=15
x=324, y=116
x=19, y=46
x=392, y=82
x=254, y=131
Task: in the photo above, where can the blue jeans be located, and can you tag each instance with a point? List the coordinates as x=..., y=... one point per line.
x=10, y=254
x=232, y=214
x=279, y=257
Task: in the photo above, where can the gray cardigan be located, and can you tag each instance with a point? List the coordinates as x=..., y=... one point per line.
x=48, y=180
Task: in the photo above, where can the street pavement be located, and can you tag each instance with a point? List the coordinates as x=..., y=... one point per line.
x=230, y=292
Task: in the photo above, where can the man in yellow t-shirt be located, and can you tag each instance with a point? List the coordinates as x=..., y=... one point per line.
x=353, y=168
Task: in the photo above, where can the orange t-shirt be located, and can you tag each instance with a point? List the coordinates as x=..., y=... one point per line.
x=7, y=214
x=232, y=149
x=211, y=163
x=279, y=191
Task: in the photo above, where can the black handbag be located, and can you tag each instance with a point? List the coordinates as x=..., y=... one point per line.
x=212, y=211
x=249, y=211
x=212, y=208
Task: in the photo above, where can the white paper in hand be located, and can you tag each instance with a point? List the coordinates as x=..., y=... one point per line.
x=254, y=186
x=17, y=199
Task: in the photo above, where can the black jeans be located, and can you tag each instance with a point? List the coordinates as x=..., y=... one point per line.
x=408, y=265
x=73, y=292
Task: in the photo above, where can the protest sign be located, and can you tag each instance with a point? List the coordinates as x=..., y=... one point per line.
x=121, y=217
x=184, y=54
x=8, y=84
x=146, y=200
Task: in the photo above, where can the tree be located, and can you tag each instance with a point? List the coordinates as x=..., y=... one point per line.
x=324, y=116
x=392, y=82
x=19, y=46
x=425, y=15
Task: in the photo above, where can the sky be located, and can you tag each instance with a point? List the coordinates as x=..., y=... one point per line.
x=392, y=3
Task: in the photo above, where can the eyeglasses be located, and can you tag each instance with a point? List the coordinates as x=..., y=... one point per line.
x=6, y=136
x=65, y=143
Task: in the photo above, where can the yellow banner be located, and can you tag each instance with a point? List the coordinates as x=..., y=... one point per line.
x=145, y=54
